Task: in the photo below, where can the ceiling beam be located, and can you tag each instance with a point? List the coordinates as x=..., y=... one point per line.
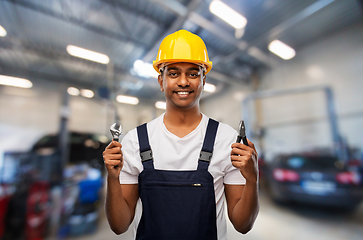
x=34, y=75
x=176, y=25
x=120, y=21
x=279, y=30
x=123, y=5
x=78, y=22
x=49, y=54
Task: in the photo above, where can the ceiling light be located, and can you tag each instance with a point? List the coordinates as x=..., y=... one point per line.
x=127, y=99
x=73, y=91
x=2, y=31
x=209, y=88
x=160, y=105
x=144, y=69
x=281, y=49
x=87, y=54
x=87, y=93
x=227, y=14
x=15, y=82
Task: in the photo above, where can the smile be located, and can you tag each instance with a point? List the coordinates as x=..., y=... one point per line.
x=184, y=93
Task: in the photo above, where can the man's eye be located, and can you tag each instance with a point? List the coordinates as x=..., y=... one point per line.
x=194, y=75
x=173, y=74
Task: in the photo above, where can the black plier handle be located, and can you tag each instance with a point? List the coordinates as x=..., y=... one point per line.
x=242, y=133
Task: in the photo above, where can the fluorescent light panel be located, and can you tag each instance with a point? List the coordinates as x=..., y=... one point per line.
x=2, y=31
x=87, y=54
x=127, y=99
x=160, y=105
x=73, y=91
x=281, y=49
x=15, y=82
x=87, y=93
x=209, y=88
x=227, y=14
x=145, y=69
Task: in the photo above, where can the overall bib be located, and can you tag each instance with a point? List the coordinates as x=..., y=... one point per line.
x=177, y=205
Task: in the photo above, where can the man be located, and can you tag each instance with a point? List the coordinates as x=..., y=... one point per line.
x=182, y=163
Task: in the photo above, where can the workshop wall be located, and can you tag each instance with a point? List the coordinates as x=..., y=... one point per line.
x=93, y=115
x=299, y=122
x=226, y=106
x=28, y=114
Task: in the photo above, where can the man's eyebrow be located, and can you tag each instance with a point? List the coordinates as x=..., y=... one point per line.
x=173, y=68
x=178, y=69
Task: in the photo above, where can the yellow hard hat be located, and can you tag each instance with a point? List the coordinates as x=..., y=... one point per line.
x=182, y=46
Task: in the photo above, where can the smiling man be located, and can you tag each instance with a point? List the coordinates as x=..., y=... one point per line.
x=182, y=163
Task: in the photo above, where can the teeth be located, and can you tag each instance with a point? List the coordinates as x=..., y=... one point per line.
x=183, y=93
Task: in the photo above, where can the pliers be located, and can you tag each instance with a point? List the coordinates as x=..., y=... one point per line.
x=242, y=133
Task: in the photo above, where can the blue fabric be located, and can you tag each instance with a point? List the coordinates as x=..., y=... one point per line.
x=144, y=144
x=210, y=136
x=89, y=190
x=143, y=141
x=177, y=205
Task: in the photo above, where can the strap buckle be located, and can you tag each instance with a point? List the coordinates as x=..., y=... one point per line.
x=146, y=155
x=205, y=156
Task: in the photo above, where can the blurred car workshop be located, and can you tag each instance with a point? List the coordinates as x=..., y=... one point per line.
x=292, y=70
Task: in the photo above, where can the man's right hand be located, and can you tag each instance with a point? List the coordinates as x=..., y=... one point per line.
x=113, y=158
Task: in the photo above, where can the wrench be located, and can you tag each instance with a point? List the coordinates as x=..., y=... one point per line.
x=116, y=131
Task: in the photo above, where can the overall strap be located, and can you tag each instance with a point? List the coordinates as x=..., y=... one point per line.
x=145, y=150
x=208, y=144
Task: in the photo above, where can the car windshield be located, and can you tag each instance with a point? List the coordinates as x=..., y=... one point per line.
x=311, y=162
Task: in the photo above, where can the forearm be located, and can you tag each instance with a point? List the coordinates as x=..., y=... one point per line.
x=246, y=209
x=118, y=212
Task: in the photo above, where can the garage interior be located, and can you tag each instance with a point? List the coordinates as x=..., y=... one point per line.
x=54, y=128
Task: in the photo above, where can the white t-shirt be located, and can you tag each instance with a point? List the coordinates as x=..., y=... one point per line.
x=173, y=153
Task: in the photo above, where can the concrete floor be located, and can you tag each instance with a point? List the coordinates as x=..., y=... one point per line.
x=277, y=222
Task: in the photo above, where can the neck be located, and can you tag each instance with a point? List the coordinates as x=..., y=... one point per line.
x=189, y=117
x=182, y=118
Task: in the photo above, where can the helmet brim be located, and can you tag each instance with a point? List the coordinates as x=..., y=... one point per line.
x=208, y=65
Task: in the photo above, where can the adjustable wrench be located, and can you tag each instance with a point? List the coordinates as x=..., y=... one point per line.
x=116, y=131
x=242, y=133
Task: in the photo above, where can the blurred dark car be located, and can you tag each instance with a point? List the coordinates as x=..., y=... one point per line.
x=82, y=147
x=314, y=179
x=29, y=176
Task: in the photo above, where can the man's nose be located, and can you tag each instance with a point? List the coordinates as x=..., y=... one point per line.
x=183, y=80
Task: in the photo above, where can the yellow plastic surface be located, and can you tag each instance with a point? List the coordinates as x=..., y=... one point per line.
x=182, y=46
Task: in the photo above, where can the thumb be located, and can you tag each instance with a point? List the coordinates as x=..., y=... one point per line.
x=250, y=144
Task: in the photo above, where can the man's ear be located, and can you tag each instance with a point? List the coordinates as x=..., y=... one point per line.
x=160, y=80
x=204, y=78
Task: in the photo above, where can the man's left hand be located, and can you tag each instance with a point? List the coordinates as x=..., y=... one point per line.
x=245, y=159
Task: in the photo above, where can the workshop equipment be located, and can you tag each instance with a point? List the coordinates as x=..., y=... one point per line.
x=37, y=211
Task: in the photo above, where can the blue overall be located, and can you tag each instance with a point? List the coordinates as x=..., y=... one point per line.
x=177, y=205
